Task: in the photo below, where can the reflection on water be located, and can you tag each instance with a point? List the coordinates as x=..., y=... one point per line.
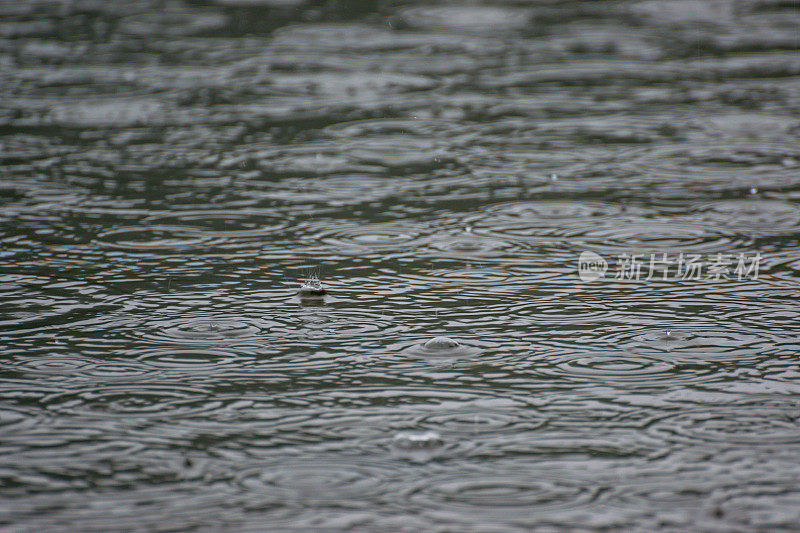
x=174, y=173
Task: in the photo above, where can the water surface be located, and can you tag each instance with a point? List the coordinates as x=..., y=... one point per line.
x=171, y=173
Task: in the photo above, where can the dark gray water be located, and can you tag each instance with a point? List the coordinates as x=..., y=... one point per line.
x=172, y=172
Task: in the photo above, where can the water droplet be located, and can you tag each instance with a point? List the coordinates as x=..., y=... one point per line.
x=312, y=288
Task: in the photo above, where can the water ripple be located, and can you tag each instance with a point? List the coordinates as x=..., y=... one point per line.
x=770, y=424
x=174, y=174
x=157, y=237
x=137, y=399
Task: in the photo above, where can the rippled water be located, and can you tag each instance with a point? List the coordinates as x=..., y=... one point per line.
x=172, y=172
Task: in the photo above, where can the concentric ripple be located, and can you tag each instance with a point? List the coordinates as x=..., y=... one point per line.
x=214, y=224
x=203, y=330
x=705, y=344
x=80, y=368
x=157, y=237
x=352, y=238
x=184, y=359
x=597, y=223
x=624, y=368
x=719, y=166
x=773, y=424
x=646, y=234
x=490, y=419
x=319, y=481
x=136, y=399
x=553, y=212
x=502, y=493
x=757, y=215
x=471, y=244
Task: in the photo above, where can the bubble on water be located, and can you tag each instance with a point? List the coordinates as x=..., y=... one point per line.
x=410, y=440
x=441, y=343
x=442, y=348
